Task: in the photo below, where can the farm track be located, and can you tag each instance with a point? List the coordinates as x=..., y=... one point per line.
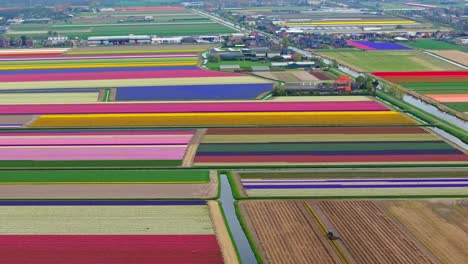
x=371, y=236
x=286, y=233
x=192, y=148
x=224, y=240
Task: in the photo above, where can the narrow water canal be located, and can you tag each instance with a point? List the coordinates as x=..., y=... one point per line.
x=435, y=111
x=227, y=203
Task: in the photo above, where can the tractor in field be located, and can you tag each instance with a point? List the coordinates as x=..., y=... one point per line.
x=331, y=235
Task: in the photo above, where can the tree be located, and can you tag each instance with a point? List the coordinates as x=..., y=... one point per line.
x=285, y=42
x=297, y=57
x=334, y=64
x=23, y=40
x=277, y=59
x=217, y=58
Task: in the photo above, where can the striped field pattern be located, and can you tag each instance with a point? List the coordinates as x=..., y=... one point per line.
x=107, y=232
x=324, y=146
x=166, y=146
x=136, y=76
x=208, y=114
x=356, y=187
x=370, y=45
x=449, y=88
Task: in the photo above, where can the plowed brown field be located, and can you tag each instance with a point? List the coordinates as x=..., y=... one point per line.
x=441, y=225
x=453, y=55
x=286, y=232
x=371, y=236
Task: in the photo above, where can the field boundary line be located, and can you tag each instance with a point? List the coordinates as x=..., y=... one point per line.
x=341, y=253
x=192, y=147
x=30, y=122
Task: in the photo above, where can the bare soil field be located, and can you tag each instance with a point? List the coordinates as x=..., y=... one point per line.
x=285, y=232
x=16, y=119
x=453, y=55
x=371, y=236
x=289, y=76
x=441, y=225
x=304, y=76
x=323, y=76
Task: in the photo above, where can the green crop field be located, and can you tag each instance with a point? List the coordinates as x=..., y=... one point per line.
x=168, y=29
x=438, y=88
x=391, y=61
x=104, y=176
x=431, y=44
x=461, y=107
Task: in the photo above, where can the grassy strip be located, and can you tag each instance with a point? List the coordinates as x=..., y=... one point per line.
x=231, y=236
x=251, y=240
x=234, y=187
x=32, y=164
x=426, y=117
x=351, y=174
x=104, y=176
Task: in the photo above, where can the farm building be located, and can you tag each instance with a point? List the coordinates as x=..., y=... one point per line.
x=293, y=65
x=57, y=40
x=208, y=39
x=229, y=67
x=166, y=40
x=120, y=40
x=260, y=68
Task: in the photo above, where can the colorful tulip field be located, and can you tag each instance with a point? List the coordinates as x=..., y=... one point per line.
x=448, y=88
x=324, y=146
x=371, y=45
x=100, y=231
x=90, y=77
x=103, y=148
x=111, y=156
x=353, y=184
x=230, y=114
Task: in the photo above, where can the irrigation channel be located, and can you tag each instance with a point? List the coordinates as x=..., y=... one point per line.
x=435, y=111
x=240, y=239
